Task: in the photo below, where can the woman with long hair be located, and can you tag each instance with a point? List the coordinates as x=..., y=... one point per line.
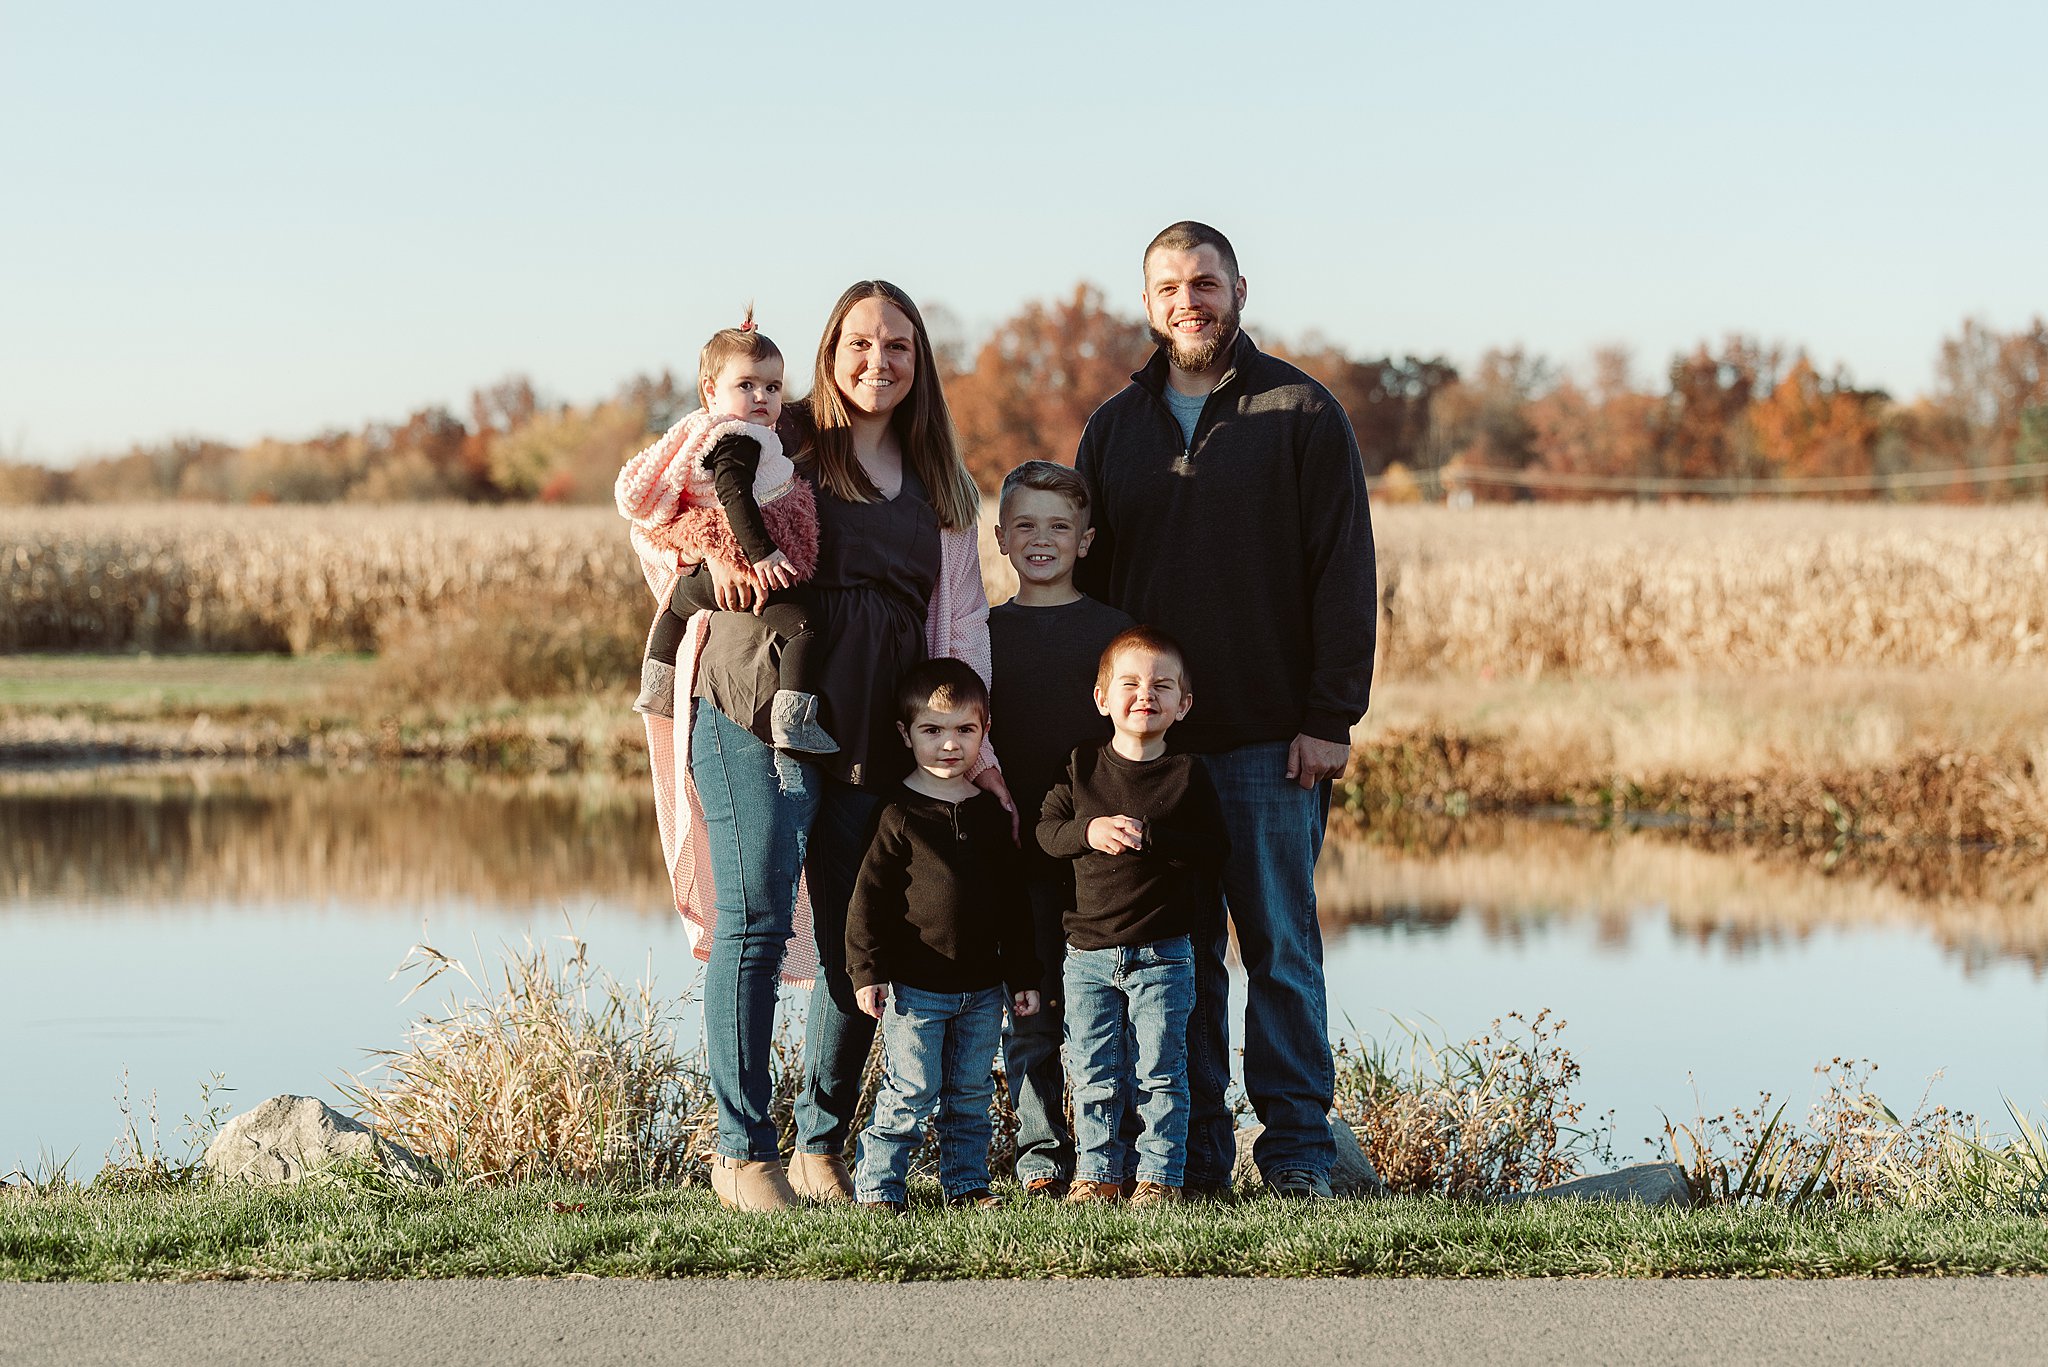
x=898, y=580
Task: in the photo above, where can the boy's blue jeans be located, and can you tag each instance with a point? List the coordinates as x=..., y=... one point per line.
x=1276, y=833
x=1119, y=1000
x=1031, y=1046
x=938, y=1055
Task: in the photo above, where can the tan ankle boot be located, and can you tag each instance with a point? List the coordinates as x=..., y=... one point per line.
x=820, y=1177
x=750, y=1185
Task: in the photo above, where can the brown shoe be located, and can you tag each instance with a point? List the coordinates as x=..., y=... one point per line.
x=1155, y=1194
x=756, y=1184
x=1082, y=1192
x=981, y=1198
x=820, y=1177
x=883, y=1207
x=1046, y=1188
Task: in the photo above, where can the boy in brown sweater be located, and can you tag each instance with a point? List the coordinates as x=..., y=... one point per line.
x=937, y=926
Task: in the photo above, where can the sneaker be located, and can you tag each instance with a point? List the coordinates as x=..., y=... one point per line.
x=881, y=1207
x=1296, y=1185
x=1155, y=1194
x=981, y=1198
x=793, y=724
x=1197, y=1190
x=1082, y=1192
x=1048, y=1188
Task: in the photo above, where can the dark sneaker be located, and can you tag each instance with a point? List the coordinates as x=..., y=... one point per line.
x=1082, y=1192
x=1046, y=1188
x=1296, y=1185
x=981, y=1198
x=1208, y=1191
x=1155, y=1194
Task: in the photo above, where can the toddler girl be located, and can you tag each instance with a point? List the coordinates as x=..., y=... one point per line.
x=717, y=484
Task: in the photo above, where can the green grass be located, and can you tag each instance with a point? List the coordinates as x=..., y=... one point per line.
x=148, y=684
x=339, y=1232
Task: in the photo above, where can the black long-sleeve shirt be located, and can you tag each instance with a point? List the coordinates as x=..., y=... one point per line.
x=1251, y=544
x=1145, y=895
x=733, y=463
x=940, y=901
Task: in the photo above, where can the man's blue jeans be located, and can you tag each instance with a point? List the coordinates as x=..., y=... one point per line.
x=1114, y=997
x=1031, y=1046
x=1276, y=834
x=837, y=1033
x=756, y=822
x=938, y=1056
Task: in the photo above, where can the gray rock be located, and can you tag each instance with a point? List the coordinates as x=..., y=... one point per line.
x=1649, y=1184
x=288, y=1138
x=1352, y=1175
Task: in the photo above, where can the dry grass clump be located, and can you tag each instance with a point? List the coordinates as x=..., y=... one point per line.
x=549, y=1073
x=524, y=645
x=1855, y=1151
x=1487, y=1117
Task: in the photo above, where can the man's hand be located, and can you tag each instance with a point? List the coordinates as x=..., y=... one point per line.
x=1023, y=1003
x=1310, y=761
x=733, y=590
x=1116, y=834
x=872, y=999
x=775, y=572
x=991, y=780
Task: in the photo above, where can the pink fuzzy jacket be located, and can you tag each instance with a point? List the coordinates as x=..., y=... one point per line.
x=955, y=624
x=667, y=490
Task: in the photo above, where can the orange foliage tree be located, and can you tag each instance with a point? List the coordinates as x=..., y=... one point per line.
x=1035, y=382
x=1809, y=426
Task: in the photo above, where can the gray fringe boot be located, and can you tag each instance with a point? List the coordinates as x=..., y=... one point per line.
x=793, y=724
x=657, y=689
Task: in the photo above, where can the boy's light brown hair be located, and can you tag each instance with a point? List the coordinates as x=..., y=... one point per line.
x=942, y=685
x=1047, y=477
x=1142, y=637
x=729, y=344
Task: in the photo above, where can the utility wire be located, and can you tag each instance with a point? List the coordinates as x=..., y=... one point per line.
x=1662, y=484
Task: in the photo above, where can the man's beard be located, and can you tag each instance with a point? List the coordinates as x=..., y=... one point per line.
x=1200, y=356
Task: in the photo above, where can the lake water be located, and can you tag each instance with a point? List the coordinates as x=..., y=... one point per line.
x=160, y=927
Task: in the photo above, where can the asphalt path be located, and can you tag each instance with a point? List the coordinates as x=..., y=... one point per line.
x=844, y=1324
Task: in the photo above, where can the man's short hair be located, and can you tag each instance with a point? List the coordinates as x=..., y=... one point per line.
x=1188, y=235
x=1048, y=477
x=942, y=685
x=1142, y=637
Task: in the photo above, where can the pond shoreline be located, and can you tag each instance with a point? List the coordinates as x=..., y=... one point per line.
x=1966, y=800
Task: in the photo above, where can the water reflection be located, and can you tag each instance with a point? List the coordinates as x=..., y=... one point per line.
x=245, y=919
x=1509, y=875
x=365, y=838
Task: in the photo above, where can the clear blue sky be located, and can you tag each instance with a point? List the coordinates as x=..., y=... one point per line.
x=241, y=219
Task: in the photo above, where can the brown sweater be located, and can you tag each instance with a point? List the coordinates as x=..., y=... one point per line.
x=940, y=903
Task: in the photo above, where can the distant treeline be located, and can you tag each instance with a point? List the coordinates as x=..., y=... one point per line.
x=1516, y=425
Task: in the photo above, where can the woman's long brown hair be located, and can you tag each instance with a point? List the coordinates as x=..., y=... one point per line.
x=922, y=422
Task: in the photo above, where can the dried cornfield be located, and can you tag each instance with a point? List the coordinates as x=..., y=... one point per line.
x=1606, y=590
x=299, y=579
x=1587, y=590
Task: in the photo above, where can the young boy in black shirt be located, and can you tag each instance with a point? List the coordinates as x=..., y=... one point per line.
x=1046, y=646
x=937, y=925
x=1146, y=833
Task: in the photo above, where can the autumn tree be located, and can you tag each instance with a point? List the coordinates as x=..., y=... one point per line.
x=1811, y=426
x=1706, y=429
x=1035, y=382
x=1482, y=421
x=1608, y=430
x=1387, y=400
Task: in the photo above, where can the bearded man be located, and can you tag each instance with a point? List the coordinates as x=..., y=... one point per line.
x=1230, y=510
